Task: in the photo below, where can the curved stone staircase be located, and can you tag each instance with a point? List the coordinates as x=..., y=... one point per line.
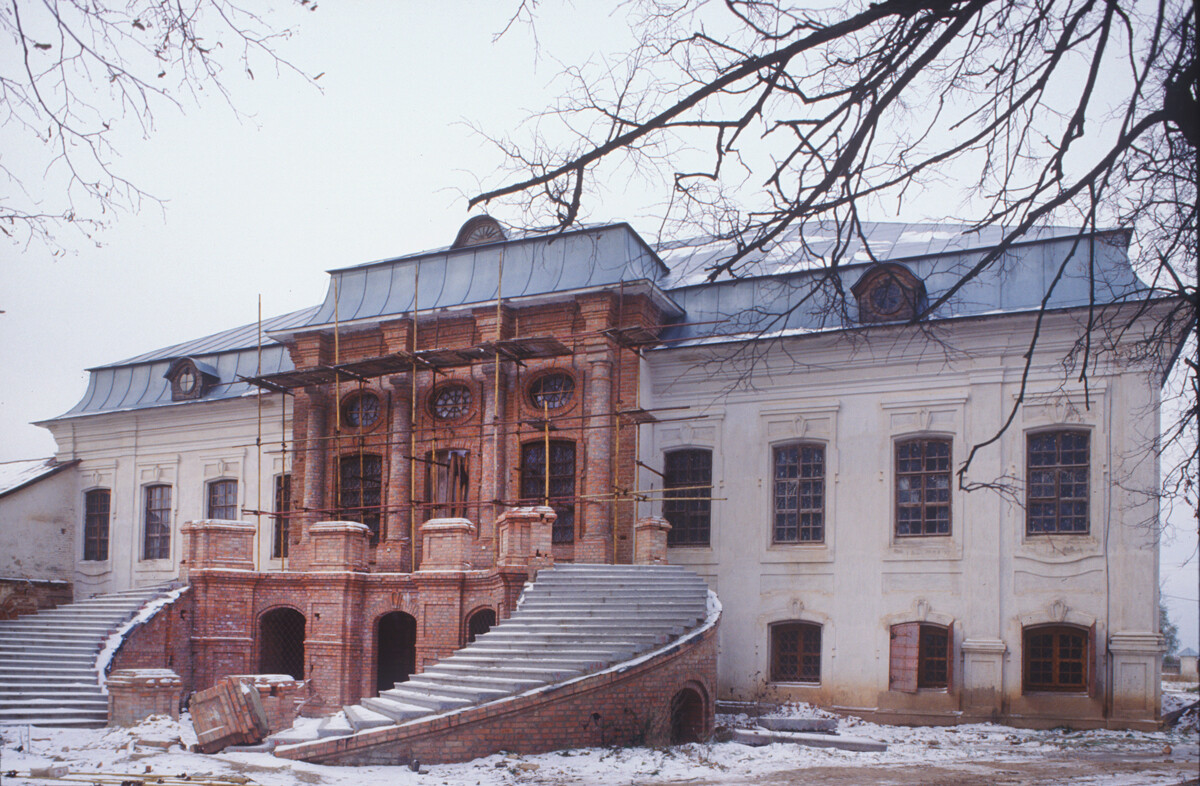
x=574, y=620
x=48, y=660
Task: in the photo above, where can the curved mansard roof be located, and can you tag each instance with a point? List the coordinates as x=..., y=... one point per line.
x=538, y=266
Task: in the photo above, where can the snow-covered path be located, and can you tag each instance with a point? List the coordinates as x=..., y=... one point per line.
x=962, y=755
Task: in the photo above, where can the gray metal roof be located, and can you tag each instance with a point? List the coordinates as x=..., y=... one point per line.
x=785, y=281
x=16, y=475
x=533, y=265
x=790, y=290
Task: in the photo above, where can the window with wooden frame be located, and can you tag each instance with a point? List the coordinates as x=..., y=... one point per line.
x=921, y=657
x=446, y=484
x=96, y=506
x=548, y=478
x=799, y=493
x=222, y=500
x=360, y=484
x=923, y=487
x=1058, y=464
x=687, y=484
x=1058, y=658
x=156, y=530
x=795, y=652
x=283, y=507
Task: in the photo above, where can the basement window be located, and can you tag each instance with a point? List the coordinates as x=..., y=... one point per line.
x=920, y=657
x=1056, y=658
x=795, y=652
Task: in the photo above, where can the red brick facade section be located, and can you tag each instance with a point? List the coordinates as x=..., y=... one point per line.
x=162, y=642
x=620, y=706
x=23, y=596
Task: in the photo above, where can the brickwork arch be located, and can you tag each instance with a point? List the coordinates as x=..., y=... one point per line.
x=395, y=649
x=689, y=714
x=280, y=638
x=479, y=622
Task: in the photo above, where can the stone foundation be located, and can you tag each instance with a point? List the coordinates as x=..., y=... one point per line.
x=136, y=694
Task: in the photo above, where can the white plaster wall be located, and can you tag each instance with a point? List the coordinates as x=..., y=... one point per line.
x=185, y=446
x=857, y=396
x=37, y=529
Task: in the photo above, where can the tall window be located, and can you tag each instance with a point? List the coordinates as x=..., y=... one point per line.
x=283, y=507
x=1056, y=658
x=687, y=478
x=549, y=478
x=796, y=652
x=360, y=482
x=799, y=494
x=446, y=484
x=222, y=500
x=920, y=656
x=1057, y=489
x=157, y=538
x=923, y=487
x=95, y=524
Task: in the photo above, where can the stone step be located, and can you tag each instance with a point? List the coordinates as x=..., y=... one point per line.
x=506, y=669
x=71, y=717
x=432, y=702
x=616, y=651
x=17, y=675
x=37, y=648
x=91, y=702
x=511, y=685
x=421, y=684
x=335, y=726
x=53, y=633
x=397, y=711
x=360, y=718
x=11, y=689
x=616, y=596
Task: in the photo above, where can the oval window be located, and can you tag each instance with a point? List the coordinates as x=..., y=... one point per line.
x=361, y=410
x=451, y=402
x=552, y=391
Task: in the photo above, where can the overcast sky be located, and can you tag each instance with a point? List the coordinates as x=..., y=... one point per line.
x=373, y=164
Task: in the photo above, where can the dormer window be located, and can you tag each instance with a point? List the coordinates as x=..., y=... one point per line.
x=190, y=380
x=889, y=293
x=478, y=231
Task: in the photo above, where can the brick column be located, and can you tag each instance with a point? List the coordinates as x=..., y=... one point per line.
x=315, y=449
x=439, y=623
x=446, y=544
x=394, y=554
x=596, y=544
x=524, y=541
x=492, y=458
x=651, y=547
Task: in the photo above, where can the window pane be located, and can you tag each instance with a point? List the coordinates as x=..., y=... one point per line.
x=360, y=482
x=283, y=506
x=923, y=487
x=222, y=500
x=95, y=524
x=157, y=523
x=561, y=466
x=799, y=493
x=1057, y=482
x=687, y=480
x=795, y=652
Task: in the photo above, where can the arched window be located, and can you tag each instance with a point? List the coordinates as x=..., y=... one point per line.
x=923, y=487
x=1057, y=487
x=156, y=540
x=222, y=500
x=480, y=623
x=548, y=478
x=1056, y=658
x=795, y=652
x=281, y=643
x=96, y=505
x=799, y=493
x=920, y=656
x=687, y=484
x=360, y=483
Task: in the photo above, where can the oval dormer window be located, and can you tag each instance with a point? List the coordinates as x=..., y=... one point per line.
x=889, y=293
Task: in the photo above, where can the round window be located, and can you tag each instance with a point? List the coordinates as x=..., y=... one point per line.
x=887, y=297
x=451, y=402
x=361, y=410
x=552, y=391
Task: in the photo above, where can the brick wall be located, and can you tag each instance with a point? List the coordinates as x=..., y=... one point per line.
x=23, y=596
x=614, y=707
x=162, y=642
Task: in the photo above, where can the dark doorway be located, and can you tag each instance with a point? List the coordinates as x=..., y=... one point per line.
x=281, y=643
x=687, y=717
x=480, y=623
x=397, y=653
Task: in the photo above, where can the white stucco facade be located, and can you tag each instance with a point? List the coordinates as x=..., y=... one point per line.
x=987, y=580
x=184, y=448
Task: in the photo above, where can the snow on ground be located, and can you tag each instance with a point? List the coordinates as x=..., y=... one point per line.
x=158, y=747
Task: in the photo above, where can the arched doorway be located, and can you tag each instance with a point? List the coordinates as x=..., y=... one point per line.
x=480, y=623
x=396, y=653
x=281, y=643
x=687, y=717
